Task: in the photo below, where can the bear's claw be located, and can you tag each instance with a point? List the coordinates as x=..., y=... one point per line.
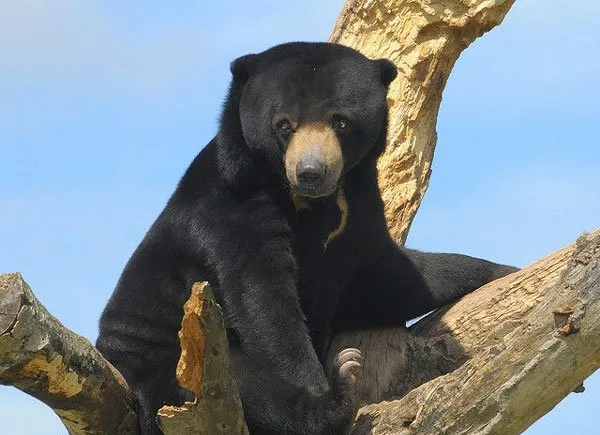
x=349, y=363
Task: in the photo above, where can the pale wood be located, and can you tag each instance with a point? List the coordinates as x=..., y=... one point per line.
x=423, y=38
x=204, y=369
x=526, y=340
x=41, y=357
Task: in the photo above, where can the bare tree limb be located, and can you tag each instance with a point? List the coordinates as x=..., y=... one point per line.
x=423, y=38
x=527, y=341
x=62, y=369
x=517, y=346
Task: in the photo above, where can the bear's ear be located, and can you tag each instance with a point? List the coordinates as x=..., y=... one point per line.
x=387, y=71
x=243, y=67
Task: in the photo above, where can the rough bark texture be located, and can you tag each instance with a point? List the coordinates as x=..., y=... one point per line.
x=62, y=369
x=423, y=38
x=204, y=369
x=525, y=341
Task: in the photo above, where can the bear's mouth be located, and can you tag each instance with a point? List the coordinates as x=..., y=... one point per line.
x=310, y=192
x=313, y=160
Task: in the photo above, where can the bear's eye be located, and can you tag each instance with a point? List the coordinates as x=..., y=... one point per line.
x=284, y=126
x=340, y=123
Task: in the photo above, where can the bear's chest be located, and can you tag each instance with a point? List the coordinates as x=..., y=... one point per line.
x=314, y=230
x=317, y=224
x=323, y=249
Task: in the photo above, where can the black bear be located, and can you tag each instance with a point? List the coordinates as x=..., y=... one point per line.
x=282, y=214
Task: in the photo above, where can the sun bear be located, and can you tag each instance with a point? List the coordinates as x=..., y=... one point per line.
x=282, y=214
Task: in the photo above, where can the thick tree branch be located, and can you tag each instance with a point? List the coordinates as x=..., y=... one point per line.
x=423, y=38
x=62, y=369
x=516, y=346
x=526, y=341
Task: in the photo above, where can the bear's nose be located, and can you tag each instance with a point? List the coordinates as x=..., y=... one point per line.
x=310, y=172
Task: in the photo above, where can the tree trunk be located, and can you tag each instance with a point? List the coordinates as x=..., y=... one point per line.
x=423, y=38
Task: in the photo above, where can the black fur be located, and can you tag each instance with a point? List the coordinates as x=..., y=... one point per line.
x=232, y=221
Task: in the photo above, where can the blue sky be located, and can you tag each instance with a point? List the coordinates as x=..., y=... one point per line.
x=104, y=104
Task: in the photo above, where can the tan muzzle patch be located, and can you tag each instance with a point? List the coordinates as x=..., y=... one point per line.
x=317, y=141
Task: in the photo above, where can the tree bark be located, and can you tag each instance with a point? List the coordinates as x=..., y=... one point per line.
x=41, y=357
x=423, y=38
x=517, y=346
x=204, y=369
x=44, y=359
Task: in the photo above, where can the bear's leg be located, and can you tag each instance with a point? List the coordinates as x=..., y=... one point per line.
x=282, y=382
x=273, y=407
x=403, y=284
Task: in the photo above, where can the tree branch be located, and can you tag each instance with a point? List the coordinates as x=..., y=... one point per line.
x=41, y=357
x=204, y=369
x=44, y=359
x=526, y=340
x=496, y=361
x=423, y=38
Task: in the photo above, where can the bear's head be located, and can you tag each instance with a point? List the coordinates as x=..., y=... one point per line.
x=310, y=112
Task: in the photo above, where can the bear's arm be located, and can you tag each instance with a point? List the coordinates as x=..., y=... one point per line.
x=448, y=277
x=243, y=247
x=250, y=253
x=404, y=283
